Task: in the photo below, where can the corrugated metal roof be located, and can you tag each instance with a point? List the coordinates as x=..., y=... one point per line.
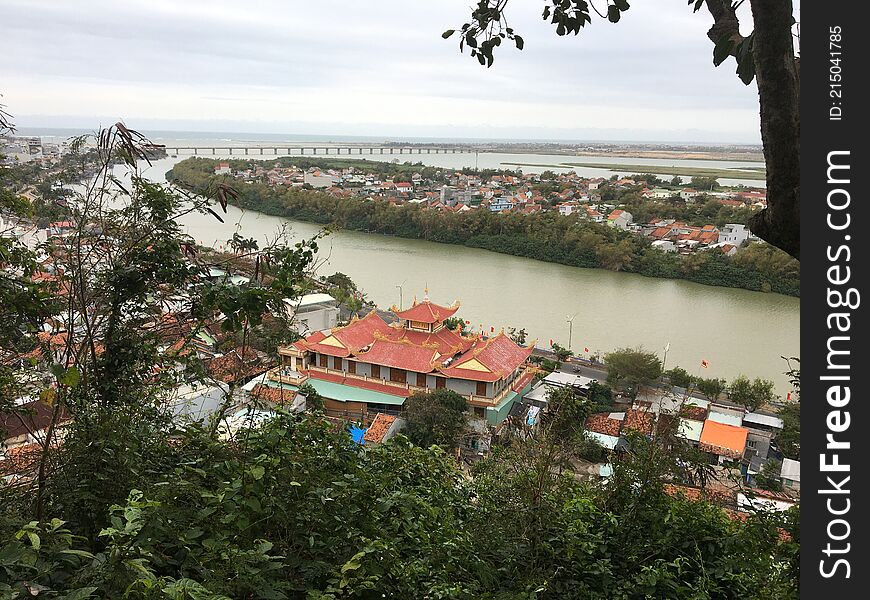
x=690, y=429
x=562, y=379
x=607, y=441
x=727, y=419
x=762, y=419
x=347, y=393
x=791, y=469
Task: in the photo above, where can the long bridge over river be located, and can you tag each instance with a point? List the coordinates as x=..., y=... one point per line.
x=304, y=150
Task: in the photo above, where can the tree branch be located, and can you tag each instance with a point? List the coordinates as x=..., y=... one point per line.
x=725, y=23
x=776, y=73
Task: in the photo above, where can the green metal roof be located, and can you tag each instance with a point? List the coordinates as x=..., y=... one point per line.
x=497, y=414
x=348, y=393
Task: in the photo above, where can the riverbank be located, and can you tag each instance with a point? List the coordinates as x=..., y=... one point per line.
x=547, y=236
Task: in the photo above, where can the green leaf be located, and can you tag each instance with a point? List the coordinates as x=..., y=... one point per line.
x=257, y=472
x=47, y=396
x=519, y=42
x=613, y=14
x=448, y=33
x=722, y=50
x=79, y=594
x=34, y=540
x=71, y=377
x=621, y=4
x=745, y=60
x=80, y=553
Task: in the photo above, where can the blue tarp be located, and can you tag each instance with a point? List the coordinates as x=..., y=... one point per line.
x=357, y=434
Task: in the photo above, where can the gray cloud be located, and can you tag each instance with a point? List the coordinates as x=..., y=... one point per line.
x=321, y=65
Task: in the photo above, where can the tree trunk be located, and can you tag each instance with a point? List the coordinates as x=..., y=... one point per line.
x=777, y=77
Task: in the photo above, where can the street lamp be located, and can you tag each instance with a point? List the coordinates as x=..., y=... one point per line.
x=399, y=285
x=570, y=328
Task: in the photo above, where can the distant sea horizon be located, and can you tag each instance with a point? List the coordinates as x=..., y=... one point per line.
x=158, y=135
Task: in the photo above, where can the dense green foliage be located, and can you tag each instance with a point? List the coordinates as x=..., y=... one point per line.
x=789, y=439
x=436, y=417
x=298, y=510
x=679, y=377
x=751, y=394
x=545, y=236
x=631, y=368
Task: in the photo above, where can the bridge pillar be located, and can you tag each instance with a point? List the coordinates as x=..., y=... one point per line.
x=261, y=151
x=246, y=150
x=196, y=150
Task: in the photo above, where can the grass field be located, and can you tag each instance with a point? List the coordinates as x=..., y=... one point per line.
x=753, y=173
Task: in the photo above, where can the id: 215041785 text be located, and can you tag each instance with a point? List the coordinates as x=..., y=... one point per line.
x=835, y=73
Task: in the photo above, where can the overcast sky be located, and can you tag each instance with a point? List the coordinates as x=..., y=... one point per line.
x=366, y=67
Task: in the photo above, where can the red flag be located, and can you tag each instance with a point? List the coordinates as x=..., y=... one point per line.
x=788, y=396
x=468, y=322
x=705, y=364
x=551, y=343
x=586, y=350
x=492, y=329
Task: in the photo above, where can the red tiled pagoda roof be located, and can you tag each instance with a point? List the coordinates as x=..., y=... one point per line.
x=498, y=356
x=401, y=355
x=393, y=390
x=427, y=312
x=446, y=341
x=354, y=336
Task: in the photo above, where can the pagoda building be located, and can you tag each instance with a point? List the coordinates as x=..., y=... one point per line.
x=370, y=366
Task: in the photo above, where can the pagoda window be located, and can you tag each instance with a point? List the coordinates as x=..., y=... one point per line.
x=336, y=363
x=421, y=380
x=322, y=358
x=351, y=367
x=376, y=371
x=481, y=388
x=440, y=383
x=398, y=375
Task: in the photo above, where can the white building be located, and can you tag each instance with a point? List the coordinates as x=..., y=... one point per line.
x=664, y=245
x=791, y=474
x=314, y=312
x=733, y=233
x=620, y=219
x=568, y=208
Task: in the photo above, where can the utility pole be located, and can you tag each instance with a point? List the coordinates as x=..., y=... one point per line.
x=570, y=329
x=399, y=285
